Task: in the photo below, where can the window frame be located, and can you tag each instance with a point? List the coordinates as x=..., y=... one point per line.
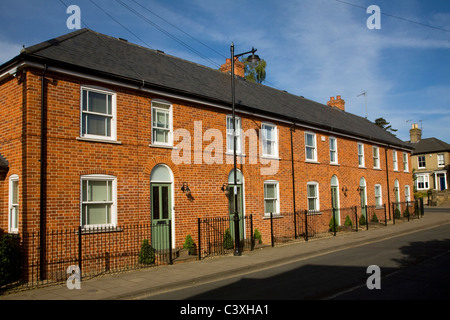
x=277, y=199
x=229, y=134
x=361, y=158
x=13, y=220
x=379, y=197
x=426, y=181
x=314, y=147
x=376, y=157
x=112, y=116
x=316, y=198
x=395, y=160
x=407, y=193
x=112, y=202
x=424, y=162
x=166, y=108
x=274, y=141
x=335, y=150
x=405, y=162
x=443, y=160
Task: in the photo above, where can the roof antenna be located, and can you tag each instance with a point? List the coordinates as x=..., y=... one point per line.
x=365, y=99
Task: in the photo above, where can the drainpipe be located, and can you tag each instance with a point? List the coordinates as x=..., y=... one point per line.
x=293, y=180
x=387, y=179
x=43, y=178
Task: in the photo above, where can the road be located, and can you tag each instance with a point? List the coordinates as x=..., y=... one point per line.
x=414, y=266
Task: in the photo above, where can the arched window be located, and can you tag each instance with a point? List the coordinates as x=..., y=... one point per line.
x=239, y=177
x=161, y=173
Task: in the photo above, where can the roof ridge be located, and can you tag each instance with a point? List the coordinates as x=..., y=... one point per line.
x=51, y=42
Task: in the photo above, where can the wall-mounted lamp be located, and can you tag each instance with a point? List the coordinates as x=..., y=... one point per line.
x=185, y=189
x=344, y=190
x=359, y=189
x=395, y=189
x=225, y=188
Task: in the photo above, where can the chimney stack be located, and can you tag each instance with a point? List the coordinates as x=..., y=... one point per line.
x=415, y=133
x=239, y=67
x=338, y=103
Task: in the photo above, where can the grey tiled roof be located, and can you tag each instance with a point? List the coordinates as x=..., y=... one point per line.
x=98, y=54
x=430, y=145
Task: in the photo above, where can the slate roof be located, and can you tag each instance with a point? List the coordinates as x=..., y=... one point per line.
x=430, y=145
x=87, y=51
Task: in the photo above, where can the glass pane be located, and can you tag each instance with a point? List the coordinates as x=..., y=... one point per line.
x=333, y=144
x=15, y=192
x=269, y=133
x=14, y=217
x=311, y=190
x=96, y=125
x=97, y=213
x=155, y=202
x=161, y=174
x=98, y=102
x=160, y=135
x=98, y=191
x=309, y=153
x=311, y=204
x=332, y=156
x=309, y=140
x=270, y=191
x=84, y=100
x=269, y=206
x=165, y=202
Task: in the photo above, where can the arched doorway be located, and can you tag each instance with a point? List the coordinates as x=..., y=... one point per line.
x=335, y=198
x=161, y=196
x=363, y=195
x=236, y=196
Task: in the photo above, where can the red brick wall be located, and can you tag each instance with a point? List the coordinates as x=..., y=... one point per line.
x=132, y=160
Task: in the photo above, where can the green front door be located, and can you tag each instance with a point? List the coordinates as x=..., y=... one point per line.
x=335, y=203
x=362, y=194
x=240, y=207
x=161, y=214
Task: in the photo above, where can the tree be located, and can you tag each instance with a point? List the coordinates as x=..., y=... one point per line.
x=382, y=123
x=255, y=73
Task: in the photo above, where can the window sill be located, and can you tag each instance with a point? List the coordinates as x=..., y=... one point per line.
x=228, y=153
x=334, y=164
x=312, y=161
x=362, y=167
x=274, y=216
x=98, y=140
x=99, y=229
x=270, y=157
x=379, y=169
x=162, y=146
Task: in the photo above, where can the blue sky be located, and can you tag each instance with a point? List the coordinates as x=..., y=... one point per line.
x=313, y=48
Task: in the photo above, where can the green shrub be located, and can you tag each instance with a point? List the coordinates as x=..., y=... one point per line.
x=189, y=244
x=348, y=222
x=227, y=240
x=257, y=236
x=9, y=260
x=362, y=220
x=147, y=253
x=333, y=225
x=406, y=212
x=397, y=213
x=374, y=218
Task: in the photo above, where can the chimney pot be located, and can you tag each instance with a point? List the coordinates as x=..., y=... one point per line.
x=338, y=103
x=239, y=67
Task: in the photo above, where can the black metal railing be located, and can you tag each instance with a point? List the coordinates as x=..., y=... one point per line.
x=216, y=235
x=404, y=211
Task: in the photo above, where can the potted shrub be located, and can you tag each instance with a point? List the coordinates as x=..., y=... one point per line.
x=397, y=213
x=189, y=245
x=374, y=218
x=333, y=225
x=362, y=220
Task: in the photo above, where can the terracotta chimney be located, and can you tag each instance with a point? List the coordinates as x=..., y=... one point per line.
x=239, y=68
x=415, y=133
x=338, y=103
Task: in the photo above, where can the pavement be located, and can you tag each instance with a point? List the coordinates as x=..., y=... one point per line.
x=139, y=284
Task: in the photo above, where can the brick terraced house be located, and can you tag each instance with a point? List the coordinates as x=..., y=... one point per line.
x=96, y=131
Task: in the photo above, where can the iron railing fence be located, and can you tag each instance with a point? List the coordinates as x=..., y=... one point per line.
x=94, y=251
x=404, y=211
x=216, y=235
